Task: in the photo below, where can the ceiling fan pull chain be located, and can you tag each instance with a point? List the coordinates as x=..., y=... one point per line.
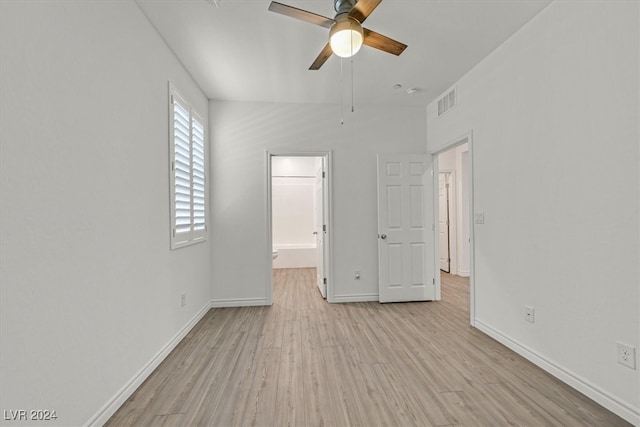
x=341, y=94
x=352, y=107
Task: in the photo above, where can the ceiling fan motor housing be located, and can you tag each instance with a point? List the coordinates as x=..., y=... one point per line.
x=344, y=6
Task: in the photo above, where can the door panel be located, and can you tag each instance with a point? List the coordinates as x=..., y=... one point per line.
x=417, y=264
x=394, y=207
x=416, y=193
x=394, y=265
x=405, y=218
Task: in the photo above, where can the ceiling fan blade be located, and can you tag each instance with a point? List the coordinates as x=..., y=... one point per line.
x=384, y=43
x=322, y=58
x=363, y=9
x=300, y=14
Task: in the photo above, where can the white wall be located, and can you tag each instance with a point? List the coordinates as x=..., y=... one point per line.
x=293, y=210
x=90, y=289
x=554, y=114
x=295, y=166
x=293, y=215
x=240, y=135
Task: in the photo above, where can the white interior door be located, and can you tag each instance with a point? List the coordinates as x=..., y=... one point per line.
x=444, y=222
x=405, y=228
x=320, y=230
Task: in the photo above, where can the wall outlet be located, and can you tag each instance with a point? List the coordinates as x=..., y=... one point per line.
x=356, y=274
x=627, y=355
x=183, y=299
x=529, y=314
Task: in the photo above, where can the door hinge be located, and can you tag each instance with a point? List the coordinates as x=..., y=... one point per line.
x=324, y=281
x=324, y=227
x=324, y=174
x=433, y=280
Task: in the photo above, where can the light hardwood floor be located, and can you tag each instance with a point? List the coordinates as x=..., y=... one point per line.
x=304, y=362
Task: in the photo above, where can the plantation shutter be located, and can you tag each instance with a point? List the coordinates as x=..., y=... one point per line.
x=198, y=176
x=188, y=183
x=182, y=167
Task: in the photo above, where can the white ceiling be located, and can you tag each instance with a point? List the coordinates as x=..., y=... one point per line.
x=240, y=51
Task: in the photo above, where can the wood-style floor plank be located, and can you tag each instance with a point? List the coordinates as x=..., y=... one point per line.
x=304, y=362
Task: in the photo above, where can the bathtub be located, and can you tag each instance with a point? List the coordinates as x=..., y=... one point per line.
x=294, y=256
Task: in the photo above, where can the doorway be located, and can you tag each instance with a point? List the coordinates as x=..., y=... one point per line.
x=453, y=206
x=298, y=197
x=446, y=212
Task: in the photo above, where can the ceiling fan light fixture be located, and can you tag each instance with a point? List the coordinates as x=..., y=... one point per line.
x=346, y=37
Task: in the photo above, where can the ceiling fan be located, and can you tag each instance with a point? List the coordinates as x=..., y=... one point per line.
x=346, y=34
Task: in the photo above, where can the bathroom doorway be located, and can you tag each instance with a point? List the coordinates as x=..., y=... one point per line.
x=299, y=222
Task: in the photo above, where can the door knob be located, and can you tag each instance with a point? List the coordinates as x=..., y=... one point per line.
x=383, y=236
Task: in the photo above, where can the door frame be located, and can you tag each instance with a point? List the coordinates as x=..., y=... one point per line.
x=328, y=237
x=466, y=138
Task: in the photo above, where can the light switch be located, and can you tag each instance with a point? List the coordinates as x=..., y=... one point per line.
x=479, y=218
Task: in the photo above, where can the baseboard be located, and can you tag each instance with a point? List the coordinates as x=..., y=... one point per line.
x=238, y=302
x=112, y=405
x=462, y=273
x=356, y=298
x=621, y=408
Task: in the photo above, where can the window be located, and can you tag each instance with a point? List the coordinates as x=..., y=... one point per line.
x=188, y=177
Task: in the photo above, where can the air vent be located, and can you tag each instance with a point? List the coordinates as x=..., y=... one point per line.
x=447, y=102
